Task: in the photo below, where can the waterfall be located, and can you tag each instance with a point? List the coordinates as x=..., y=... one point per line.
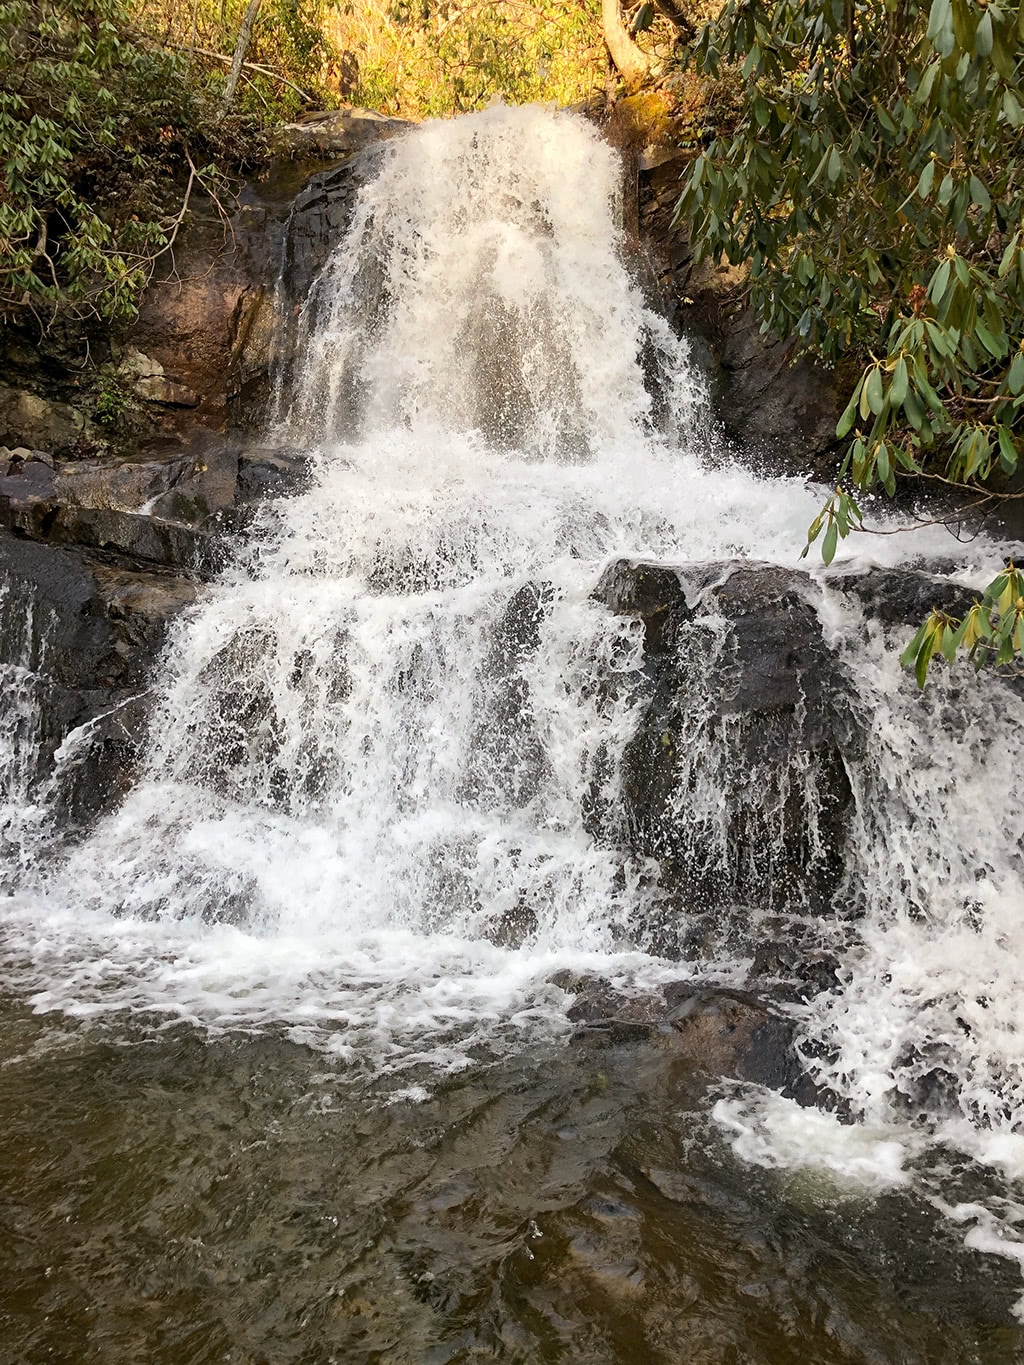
x=25, y=632
x=480, y=289
x=366, y=811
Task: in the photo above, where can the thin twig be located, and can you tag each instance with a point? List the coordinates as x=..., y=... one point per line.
x=969, y=487
x=246, y=66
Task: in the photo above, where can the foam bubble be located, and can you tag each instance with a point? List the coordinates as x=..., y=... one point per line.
x=770, y=1130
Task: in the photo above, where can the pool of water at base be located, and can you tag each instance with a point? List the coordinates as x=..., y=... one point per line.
x=173, y=1199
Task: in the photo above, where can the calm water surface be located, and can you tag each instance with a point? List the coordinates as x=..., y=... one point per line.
x=167, y=1198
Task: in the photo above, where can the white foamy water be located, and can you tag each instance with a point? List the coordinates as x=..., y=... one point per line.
x=362, y=815
x=25, y=631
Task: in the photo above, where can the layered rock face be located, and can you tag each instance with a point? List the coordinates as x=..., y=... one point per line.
x=211, y=328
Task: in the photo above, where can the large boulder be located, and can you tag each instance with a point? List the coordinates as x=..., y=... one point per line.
x=734, y=782
x=35, y=421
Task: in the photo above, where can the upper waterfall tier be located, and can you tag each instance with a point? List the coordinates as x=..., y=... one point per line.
x=480, y=288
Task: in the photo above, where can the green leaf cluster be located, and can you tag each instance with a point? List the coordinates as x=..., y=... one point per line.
x=874, y=182
x=840, y=515
x=991, y=633
x=96, y=125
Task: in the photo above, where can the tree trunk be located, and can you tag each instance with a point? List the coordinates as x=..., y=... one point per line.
x=631, y=62
x=241, y=48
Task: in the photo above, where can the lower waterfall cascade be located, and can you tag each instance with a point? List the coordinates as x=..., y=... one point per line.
x=360, y=823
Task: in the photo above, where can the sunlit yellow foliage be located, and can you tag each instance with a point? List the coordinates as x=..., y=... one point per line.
x=418, y=58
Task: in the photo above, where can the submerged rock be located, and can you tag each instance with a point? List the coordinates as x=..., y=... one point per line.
x=734, y=1034
x=722, y=1032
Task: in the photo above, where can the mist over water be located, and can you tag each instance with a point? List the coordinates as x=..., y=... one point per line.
x=362, y=821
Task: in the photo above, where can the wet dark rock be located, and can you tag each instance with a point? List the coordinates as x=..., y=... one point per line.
x=510, y=759
x=204, y=485
x=319, y=205
x=904, y=596
x=270, y=473
x=794, y=962
x=779, y=661
x=652, y=592
x=100, y=771
x=176, y=511
x=733, y=1034
x=781, y=408
x=517, y=634
x=30, y=482
x=125, y=534
x=597, y=1001
x=88, y=632
x=514, y=928
x=319, y=216
x=607, y=1017
x=743, y=701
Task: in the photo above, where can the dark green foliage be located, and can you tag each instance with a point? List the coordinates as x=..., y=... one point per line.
x=992, y=632
x=875, y=184
x=96, y=126
x=112, y=398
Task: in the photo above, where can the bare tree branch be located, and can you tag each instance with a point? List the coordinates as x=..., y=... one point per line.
x=673, y=12
x=267, y=71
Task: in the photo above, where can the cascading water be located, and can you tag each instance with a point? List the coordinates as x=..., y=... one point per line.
x=363, y=814
x=24, y=638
